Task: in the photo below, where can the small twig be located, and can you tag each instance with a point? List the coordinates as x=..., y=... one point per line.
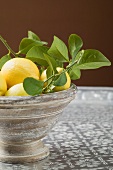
x=7, y=46
x=53, y=76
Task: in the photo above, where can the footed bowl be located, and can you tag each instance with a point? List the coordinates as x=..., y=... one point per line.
x=24, y=121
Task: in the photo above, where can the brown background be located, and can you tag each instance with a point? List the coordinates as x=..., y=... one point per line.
x=90, y=19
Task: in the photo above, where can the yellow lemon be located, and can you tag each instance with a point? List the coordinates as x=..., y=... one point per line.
x=16, y=90
x=43, y=77
x=3, y=85
x=68, y=83
x=17, y=69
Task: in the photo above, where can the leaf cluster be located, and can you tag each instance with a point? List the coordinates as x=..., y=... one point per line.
x=56, y=55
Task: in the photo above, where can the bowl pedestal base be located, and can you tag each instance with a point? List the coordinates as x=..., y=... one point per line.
x=21, y=153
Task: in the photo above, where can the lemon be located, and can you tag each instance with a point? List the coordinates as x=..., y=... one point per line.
x=16, y=90
x=17, y=69
x=43, y=77
x=3, y=85
x=65, y=86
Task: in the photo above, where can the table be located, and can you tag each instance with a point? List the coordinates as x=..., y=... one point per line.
x=83, y=137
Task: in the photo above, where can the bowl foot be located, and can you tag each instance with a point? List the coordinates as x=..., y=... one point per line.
x=22, y=153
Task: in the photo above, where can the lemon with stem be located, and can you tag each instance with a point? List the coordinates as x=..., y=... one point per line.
x=43, y=77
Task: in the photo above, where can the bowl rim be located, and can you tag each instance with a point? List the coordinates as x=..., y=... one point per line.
x=27, y=99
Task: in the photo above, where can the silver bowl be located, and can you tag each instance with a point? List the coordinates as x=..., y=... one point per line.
x=24, y=121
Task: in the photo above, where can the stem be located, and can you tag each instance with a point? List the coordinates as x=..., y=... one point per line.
x=69, y=67
x=7, y=46
x=48, y=85
x=66, y=70
x=48, y=80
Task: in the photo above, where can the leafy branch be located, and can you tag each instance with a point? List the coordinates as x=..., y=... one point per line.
x=8, y=47
x=55, y=56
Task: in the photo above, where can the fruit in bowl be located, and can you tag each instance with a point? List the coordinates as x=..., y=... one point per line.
x=35, y=87
x=42, y=69
x=3, y=85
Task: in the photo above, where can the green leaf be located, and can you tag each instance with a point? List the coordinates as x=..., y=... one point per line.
x=4, y=59
x=49, y=73
x=41, y=69
x=26, y=44
x=61, y=80
x=58, y=50
x=60, y=64
x=75, y=43
x=32, y=35
x=91, y=59
x=74, y=73
x=33, y=86
x=51, y=62
x=36, y=54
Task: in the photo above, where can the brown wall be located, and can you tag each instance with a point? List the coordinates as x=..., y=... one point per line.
x=91, y=19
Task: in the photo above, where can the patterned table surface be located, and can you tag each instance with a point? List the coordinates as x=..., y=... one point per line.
x=83, y=137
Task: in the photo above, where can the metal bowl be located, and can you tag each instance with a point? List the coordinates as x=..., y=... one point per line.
x=24, y=121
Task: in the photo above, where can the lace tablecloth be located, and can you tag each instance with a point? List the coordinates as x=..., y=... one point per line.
x=83, y=137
